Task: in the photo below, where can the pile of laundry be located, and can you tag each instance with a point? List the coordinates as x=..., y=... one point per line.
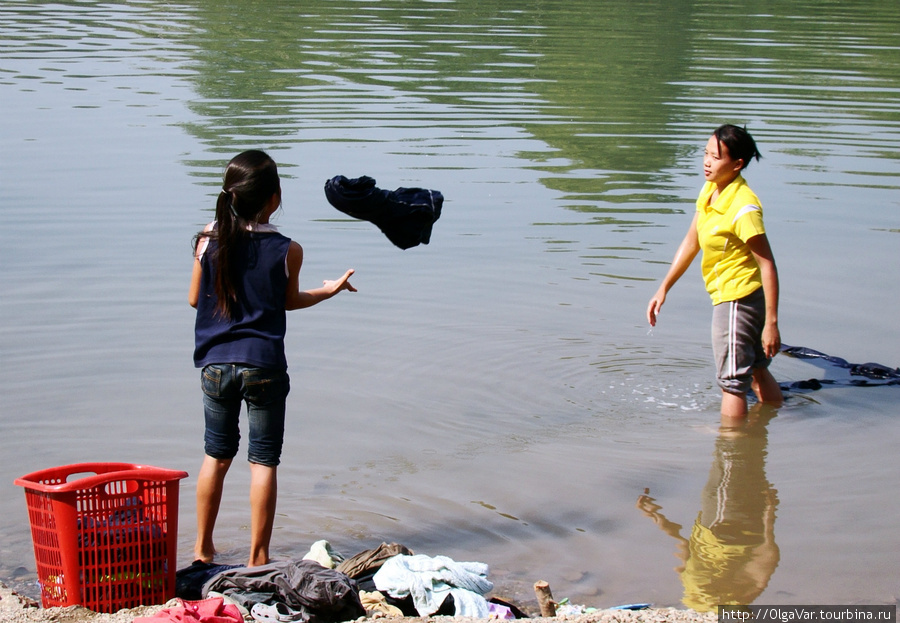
x=324, y=587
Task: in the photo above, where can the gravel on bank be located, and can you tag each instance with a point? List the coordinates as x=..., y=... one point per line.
x=17, y=609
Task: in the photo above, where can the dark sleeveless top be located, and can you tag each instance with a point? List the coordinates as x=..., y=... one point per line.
x=255, y=336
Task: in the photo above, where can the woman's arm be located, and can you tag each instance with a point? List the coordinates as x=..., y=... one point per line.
x=686, y=253
x=762, y=253
x=297, y=299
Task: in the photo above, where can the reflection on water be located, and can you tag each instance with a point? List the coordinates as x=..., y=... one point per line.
x=504, y=394
x=730, y=553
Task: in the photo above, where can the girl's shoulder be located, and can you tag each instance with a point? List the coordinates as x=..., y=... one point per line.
x=266, y=230
x=262, y=228
x=743, y=192
x=270, y=237
x=203, y=241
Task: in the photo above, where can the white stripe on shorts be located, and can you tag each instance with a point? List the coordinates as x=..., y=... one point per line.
x=732, y=338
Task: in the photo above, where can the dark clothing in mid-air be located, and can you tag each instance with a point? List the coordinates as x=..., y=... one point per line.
x=404, y=215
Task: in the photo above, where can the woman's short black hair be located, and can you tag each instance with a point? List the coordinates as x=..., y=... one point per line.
x=740, y=144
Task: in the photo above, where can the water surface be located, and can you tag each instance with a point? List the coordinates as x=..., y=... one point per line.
x=495, y=395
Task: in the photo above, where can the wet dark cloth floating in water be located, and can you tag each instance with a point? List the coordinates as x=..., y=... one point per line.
x=404, y=215
x=862, y=374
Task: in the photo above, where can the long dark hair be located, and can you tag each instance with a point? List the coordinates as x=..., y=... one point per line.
x=249, y=181
x=740, y=144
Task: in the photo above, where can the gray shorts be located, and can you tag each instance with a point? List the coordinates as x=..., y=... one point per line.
x=737, y=341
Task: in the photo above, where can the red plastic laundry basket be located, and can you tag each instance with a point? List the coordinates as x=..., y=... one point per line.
x=105, y=534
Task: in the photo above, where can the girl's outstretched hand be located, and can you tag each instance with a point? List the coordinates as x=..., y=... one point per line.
x=340, y=284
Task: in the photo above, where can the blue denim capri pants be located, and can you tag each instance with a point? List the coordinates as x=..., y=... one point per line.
x=225, y=388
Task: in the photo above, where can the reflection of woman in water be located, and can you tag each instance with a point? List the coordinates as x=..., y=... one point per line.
x=731, y=553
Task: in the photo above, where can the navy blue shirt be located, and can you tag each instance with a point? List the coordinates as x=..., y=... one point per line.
x=255, y=335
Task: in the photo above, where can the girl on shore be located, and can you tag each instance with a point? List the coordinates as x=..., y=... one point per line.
x=245, y=278
x=739, y=271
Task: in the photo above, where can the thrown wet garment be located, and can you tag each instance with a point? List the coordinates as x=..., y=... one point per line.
x=860, y=374
x=404, y=215
x=322, y=595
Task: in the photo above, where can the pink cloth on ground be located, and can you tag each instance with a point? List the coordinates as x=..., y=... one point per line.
x=212, y=610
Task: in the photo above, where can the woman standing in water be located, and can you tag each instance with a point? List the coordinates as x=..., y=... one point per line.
x=245, y=277
x=739, y=271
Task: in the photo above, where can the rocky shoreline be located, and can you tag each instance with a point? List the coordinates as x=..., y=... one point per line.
x=15, y=608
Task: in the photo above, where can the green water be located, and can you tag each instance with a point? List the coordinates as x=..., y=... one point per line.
x=495, y=395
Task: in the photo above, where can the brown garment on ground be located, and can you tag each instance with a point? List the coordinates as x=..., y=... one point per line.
x=369, y=561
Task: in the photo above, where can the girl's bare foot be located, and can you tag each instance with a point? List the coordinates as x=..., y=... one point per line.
x=204, y=555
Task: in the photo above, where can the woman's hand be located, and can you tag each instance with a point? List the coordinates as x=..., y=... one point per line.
x=771, y=339
x=655, y=305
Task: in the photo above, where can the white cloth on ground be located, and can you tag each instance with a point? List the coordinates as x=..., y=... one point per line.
x=324, y=554
x=429, y=581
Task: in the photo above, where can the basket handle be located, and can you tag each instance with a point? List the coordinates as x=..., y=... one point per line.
x=103, y=473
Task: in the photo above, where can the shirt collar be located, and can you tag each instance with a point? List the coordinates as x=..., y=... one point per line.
x=725, y=197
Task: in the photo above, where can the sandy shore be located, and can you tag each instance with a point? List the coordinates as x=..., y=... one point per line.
x=17, y=609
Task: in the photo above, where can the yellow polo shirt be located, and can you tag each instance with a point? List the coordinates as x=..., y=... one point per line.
x=723, y=228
